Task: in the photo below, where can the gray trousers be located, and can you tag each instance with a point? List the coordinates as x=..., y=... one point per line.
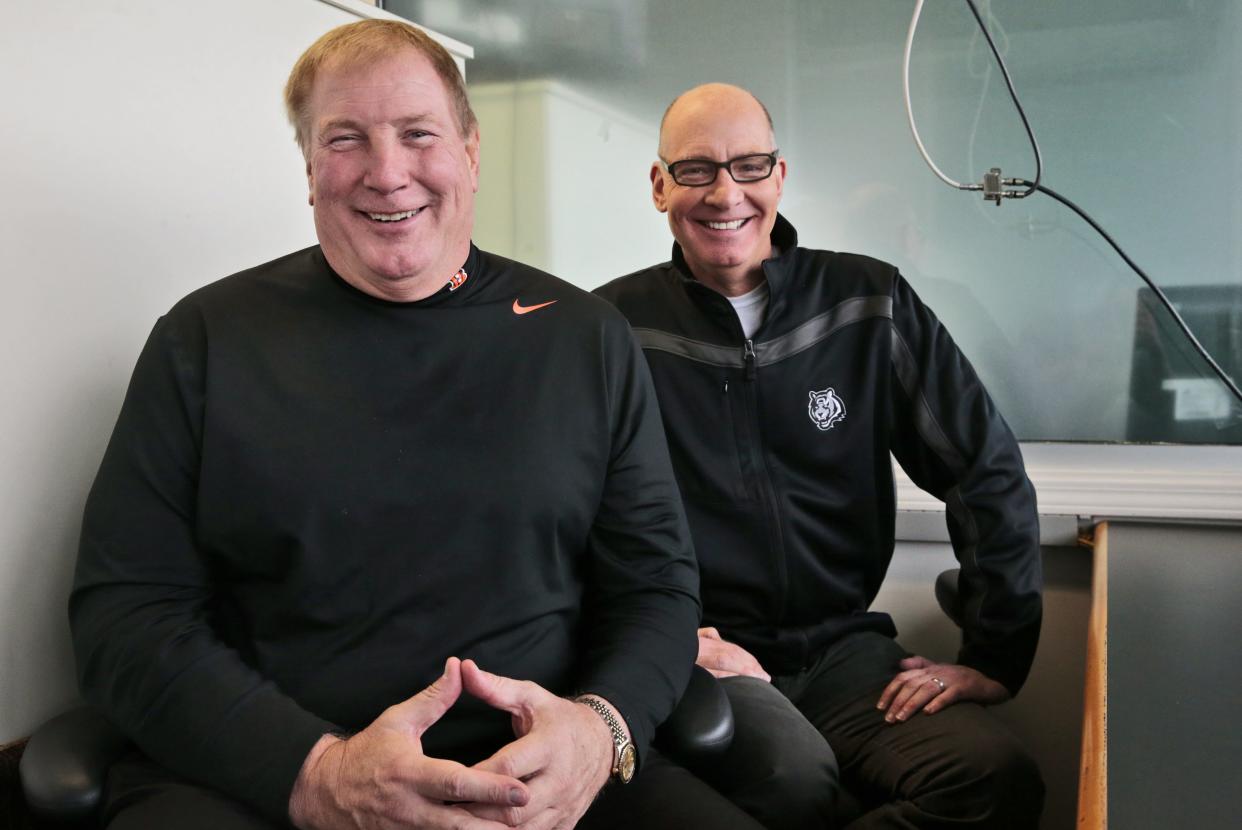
x=957, y=768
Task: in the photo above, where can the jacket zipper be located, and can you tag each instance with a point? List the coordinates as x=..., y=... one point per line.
x=748, y=359
x=767, y=492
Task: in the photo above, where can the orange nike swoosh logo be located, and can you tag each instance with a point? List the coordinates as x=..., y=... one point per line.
x=518, y=308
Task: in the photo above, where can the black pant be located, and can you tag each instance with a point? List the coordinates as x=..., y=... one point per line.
x=664, y=796
x=778, y=768
x=957, y=768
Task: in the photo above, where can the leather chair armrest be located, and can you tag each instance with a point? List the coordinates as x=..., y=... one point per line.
x=948, y=596
x=702, y=724
x=66, y=763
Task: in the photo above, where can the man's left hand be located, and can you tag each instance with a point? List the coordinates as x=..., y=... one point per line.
x=563, y=752
x=931, y=687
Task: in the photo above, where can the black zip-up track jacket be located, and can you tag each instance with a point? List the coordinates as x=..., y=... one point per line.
x=782, y=444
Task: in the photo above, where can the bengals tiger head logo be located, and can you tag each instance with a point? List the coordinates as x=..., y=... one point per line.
x=826, y=408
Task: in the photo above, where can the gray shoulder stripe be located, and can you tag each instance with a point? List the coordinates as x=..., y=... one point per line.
x=822, y=326
x=924, y=421
x=661, y=341
x=770, y=351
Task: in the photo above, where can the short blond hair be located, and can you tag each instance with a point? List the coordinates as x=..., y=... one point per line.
x=362, y=43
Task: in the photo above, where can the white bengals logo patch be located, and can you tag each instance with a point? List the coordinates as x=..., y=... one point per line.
x=826, y=408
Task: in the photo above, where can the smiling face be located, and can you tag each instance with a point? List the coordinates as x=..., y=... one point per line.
x=392, y=180
x=724, y=228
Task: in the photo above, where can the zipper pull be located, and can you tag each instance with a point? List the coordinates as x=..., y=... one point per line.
x=748, y=358
x=725, y=390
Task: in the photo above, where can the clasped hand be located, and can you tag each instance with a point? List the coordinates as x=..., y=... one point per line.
x=380, y=778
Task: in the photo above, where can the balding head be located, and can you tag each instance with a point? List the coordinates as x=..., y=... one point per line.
x=713, y=96
x=722, y=225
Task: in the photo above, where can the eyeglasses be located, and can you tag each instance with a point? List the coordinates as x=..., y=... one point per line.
x=743, y=169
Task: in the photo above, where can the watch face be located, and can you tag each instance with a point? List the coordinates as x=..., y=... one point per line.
x=625, y=767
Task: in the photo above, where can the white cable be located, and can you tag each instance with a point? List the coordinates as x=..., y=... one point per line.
x=905, y=86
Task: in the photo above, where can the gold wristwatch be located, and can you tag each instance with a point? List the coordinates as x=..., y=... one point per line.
x=624, y=756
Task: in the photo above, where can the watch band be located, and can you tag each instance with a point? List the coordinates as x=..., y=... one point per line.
x=624, y=756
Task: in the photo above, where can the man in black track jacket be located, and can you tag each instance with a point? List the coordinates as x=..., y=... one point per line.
x=786, y=377
x=389, y=463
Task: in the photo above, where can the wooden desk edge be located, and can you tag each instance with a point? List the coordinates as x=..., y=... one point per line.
x=1093, y=777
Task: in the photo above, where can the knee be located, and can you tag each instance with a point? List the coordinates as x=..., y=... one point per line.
x=779, y=768
x=1003, y=781
x=812, y=770
x=802, y=784
x=1016, y=783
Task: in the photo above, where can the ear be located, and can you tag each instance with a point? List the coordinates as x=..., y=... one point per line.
x=310, y=184
x=658, y=183
x=472, y=155
x=812, y=396
x=779, y=175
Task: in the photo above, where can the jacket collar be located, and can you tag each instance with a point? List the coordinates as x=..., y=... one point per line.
x=784, y=237
x=777, y=270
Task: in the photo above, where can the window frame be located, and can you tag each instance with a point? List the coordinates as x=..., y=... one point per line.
x=1081, y=484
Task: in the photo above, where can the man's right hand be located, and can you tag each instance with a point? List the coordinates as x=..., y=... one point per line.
x=725, y=659
x=380, y=777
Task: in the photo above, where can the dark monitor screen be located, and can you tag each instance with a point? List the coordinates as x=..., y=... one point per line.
x=1174, y=395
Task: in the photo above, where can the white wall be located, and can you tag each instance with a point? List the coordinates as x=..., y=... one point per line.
x=564, y=183
x=145, y=153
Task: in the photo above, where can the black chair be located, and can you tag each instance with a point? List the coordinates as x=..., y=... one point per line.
x=948, y=597
x=65, y=763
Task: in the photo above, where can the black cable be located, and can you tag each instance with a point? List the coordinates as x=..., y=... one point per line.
x=1194, y=341
x=1032, y=186
x=1039, y=161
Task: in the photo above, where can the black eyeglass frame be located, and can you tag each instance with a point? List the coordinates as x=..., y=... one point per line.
x=772, y=157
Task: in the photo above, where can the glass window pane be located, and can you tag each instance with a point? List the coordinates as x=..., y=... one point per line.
x=1136, y=105
x=689, y=170
x=751, y=167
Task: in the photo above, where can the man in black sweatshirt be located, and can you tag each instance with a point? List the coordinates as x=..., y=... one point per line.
x=386, y=533
x=786, y=377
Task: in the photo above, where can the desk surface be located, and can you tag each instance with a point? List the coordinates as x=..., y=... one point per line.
x=1174, y=676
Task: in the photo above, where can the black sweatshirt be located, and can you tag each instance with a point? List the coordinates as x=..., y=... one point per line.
x=312, y=497
x=782, y=446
